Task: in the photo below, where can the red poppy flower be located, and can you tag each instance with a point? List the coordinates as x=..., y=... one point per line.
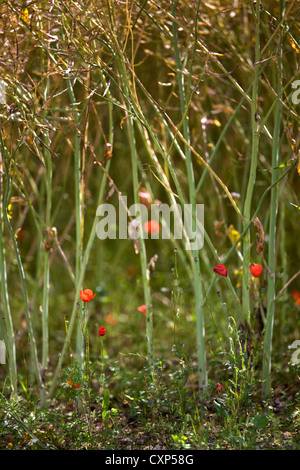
x=220, y=387
x=296, y=295
x=221, y=269
x=87, y=295
x=152, y=227
x=142, y=308
x=73, y=386
x=256, y=269
x=101, y=331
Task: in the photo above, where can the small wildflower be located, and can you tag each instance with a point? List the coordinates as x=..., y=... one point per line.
x=296, y=295
x=142, y=308
x=102, y=331
x=9, y=211
x=221, y=270
x=234, y=235
x=239, y=274
x=9, y=445
x=220, y=387
x=152, y=227
x=294, y=45
x=256, y=269
x=32, y=442
x=86, y=295
x=24, y=16
x=73, y=386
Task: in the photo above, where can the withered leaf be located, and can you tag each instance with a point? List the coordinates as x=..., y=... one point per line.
x=217, y=226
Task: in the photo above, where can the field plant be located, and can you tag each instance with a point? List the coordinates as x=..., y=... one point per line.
x=113, y=335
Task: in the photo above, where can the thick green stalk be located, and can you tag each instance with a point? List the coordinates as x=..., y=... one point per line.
x=266, y=372
x=143, y=254
x=78, y=215
x=253, y=168
x=200, y=324
x=284, y=305
x=46, y=285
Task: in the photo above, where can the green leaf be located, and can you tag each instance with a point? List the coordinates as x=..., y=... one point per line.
x=220, y=409
x=260, y=421
x=105, y=403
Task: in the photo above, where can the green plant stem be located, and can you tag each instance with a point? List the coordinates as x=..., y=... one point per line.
x=284, y=262
x=199, y=309
x=46, y=284
x=143, y=254
x=252, y=174
x=6, y=323
x=266, y=371
x=48, y=235
x=78, y=215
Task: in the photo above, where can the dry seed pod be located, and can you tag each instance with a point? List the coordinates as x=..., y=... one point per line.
x=145, y=197
x=134, y=227
x=261, y=235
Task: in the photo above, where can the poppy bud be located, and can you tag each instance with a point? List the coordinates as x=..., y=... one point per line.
x=256, y=270
x=101, y=331
x=142, y=308
x=221, y=270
